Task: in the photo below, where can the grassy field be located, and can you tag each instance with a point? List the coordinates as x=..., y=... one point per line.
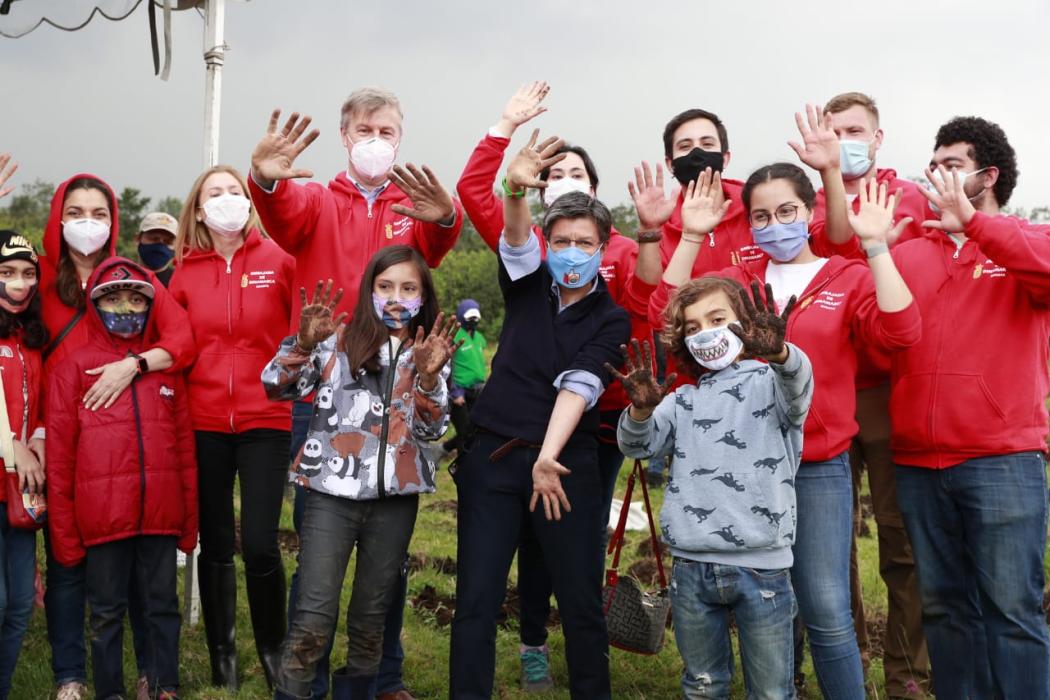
x=426, y=631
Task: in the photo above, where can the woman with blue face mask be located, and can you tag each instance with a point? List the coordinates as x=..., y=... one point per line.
x=842, y=304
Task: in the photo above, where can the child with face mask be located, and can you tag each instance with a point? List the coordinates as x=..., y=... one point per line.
x=735, y=442
x=122, y=481
x=380, y=386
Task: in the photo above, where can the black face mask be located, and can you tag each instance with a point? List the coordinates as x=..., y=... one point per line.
x=470, y=326
x=687, y=168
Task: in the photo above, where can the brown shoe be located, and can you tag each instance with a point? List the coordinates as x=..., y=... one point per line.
x=400, y=694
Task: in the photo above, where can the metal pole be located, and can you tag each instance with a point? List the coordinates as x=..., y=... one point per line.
x=214, y=57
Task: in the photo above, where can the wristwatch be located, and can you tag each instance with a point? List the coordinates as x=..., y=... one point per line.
x=143, y=365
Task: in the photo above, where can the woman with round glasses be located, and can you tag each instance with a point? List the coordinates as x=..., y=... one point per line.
x=840, y=304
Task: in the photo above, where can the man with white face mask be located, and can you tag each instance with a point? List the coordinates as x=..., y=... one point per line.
x=334, y=231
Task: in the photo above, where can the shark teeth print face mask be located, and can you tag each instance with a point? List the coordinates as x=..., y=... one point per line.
x=714, y=348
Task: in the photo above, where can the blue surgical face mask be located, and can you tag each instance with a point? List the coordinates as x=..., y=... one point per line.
x=572, y=267
x=124, y=325
x=782, y=242
x=854, y=160
x=155, y=256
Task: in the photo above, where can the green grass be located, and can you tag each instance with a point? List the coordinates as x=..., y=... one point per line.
x=426, y=642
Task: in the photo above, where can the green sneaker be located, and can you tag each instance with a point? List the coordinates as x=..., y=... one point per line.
x=536, y=669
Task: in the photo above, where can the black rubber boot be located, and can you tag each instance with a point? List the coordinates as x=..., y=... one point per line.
x=218, y=583
x=266, y=600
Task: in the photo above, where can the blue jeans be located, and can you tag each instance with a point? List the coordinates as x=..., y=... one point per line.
x=17, y=565
x=820, y=575
x=978, y=530
x=763, y=604
x=390, y=668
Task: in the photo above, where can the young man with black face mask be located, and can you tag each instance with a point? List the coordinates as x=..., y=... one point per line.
x=468, y=372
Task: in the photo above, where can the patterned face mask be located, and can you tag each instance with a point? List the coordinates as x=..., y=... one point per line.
x=409, y=309
x=714, y=348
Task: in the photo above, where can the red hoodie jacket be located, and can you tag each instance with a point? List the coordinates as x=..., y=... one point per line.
x=836, y=308
x=333, y=232
x=475, y=189
x=239, y=313
x=171, y=330
x=976, y=384
x=20, y=371
x=123, y=471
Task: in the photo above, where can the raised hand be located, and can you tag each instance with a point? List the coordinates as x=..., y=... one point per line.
x=639, y=382
x=315, y=320
x=949, y=196
x=653, y=206
x=546, y=485
x=5, y=175
x=275, y=154
x=525, y=168
x=429, y=355
x=820, y=146
x=523, y=106
x=763, y=334
x=430, y=201
x=704, y=205
x=873, y=224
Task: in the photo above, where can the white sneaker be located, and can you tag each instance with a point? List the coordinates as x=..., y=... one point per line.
x=72, y=691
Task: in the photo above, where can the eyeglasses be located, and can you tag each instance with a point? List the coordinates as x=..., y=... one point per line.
x=785, y=213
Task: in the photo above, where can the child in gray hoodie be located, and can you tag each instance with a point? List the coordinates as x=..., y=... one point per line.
x=735, y=441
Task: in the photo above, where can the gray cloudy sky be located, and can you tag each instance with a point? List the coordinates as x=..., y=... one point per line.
x=618, y=68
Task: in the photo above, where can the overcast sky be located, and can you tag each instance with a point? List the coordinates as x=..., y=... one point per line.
x=88, y=101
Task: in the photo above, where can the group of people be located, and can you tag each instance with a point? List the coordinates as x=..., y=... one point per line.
x=767, y=342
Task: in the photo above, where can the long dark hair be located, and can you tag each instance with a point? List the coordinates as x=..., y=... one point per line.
x=67, y=284
x=367, y=333
x=34, y=333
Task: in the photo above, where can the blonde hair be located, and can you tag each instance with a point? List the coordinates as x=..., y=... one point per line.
x=365, y=101
x=193, y=234
x=840, y=103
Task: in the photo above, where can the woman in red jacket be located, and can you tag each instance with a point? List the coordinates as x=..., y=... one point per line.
x=841, y=303
x=81, y=232
x=122, y=482
x=22, y=335
x=236, y=286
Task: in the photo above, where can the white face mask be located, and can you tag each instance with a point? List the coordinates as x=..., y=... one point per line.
x=86, y=236
x=962, y=183
x=714, y=348
x=564, y=186
x=372, y=158
x=227, y=214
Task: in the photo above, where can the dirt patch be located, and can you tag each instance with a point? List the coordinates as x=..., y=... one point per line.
x=645, y=571
x=442, y=608
x=442, y=506
x=866, y=509
x=875, y=623
x=419, y=561
x=645, y=548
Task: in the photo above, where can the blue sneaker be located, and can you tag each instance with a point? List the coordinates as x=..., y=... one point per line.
x=536, y=669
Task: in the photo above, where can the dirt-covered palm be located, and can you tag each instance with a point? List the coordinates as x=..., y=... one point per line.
x=639, y=380
x=525, y=168
x=274, y=156
x=430, y=354
x=704, y=205
x=763, y=334
x=820, y=146
x=6, y=173
x=874, y=221
x=525, y=103
x=430, y=200
x=316, y=321
x=647, y=192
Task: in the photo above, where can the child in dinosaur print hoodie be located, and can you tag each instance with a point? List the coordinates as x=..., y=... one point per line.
x=735, y=441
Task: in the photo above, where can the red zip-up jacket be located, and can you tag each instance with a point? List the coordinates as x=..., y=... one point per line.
x=475, y=190
x=171, y=330
x=239, y=312
x=20, y=371
x=976, y=384
x=333, y=232
x=873, y=366
x=837, y=307
x=123, y=471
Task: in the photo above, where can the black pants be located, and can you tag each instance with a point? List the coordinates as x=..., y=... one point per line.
x=460, y=417
x=110, y=568
x=493, y=511
x=260, y=458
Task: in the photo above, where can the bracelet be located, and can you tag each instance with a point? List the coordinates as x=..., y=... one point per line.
x=510, y=193
x=876, y=250
x=650, y=236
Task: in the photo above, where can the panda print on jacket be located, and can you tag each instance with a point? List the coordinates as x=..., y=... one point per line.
x=365, y=435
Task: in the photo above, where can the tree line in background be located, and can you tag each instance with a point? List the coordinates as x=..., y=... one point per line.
x=467, y=272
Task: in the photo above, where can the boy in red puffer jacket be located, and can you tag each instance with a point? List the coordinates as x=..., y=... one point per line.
x=122, y=481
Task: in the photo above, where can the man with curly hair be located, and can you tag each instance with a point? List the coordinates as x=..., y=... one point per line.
x=969, y=421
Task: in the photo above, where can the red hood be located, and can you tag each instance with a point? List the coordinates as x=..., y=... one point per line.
x=53, y=243
x=136, y=344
